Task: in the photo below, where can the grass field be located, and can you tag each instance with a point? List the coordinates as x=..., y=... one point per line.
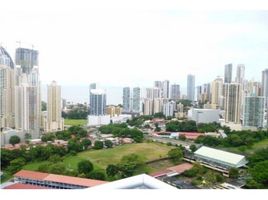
x=104, y=157
x=75, y=122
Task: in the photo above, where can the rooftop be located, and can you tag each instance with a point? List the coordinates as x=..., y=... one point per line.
x=24, y=186
x=142, y=181
x=58, y=178
x=220, y=155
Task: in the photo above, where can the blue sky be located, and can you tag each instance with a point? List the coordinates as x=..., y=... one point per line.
x=118, y=45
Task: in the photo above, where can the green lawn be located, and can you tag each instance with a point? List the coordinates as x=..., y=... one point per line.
x=104, y=157
x=75, y=122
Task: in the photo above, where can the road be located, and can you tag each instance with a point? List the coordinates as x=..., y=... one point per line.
x=169, y=140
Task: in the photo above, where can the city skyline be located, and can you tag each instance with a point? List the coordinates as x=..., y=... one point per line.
x=181, y=42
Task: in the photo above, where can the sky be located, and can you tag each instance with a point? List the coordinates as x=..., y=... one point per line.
x=133, y=43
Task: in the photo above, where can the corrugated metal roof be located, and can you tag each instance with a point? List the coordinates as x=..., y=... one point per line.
x=220, y=155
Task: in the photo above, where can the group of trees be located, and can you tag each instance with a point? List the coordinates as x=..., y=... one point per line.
x=121, y=130
x=175, y=155
x=186, y=126
x=78, y=112
x=203, y=176
x=74, y=131
x=128, y=166
x=13, y=160
x=258, y=169
x=190, y=125
x=234, y=139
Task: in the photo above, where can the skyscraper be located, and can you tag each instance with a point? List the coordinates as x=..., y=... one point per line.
x=126, y=99
x=7, y=87
x=240, y=74
x=148, y=107
x=98, y=102
x=136, y=100
x=27, y=92
x=152, y=93
x=228, y=73
x=165, y=89
x=175, y=92
x=54, y=119
x=169, y=108
x=191, y=87
x=232, y=105
x=264, y=90
x=157, y=105
x=27, y=59
x=253, y=111
x=92, y=86
x=216, y=92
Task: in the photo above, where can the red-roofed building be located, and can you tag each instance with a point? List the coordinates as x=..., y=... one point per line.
x=54, y=181
x=73, y=180
x=24, y=186
x=173, y=171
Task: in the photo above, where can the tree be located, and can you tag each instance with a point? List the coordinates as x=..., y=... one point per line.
x=84, y=167
x=74, y=145
x=130, y=164
x=98, y=144
x=233, y=173
x=176, y=155
x=48, y=137
x=108, y=143
x=55, y=158
x=14, y=140
x=182, y=137
x=112, y=170
x=27, y=136
x=86, y=143
x=97, y=174
x=57, y=168
x=16, y=165
x=193, y=147
x=43, y=106
x=260, y=173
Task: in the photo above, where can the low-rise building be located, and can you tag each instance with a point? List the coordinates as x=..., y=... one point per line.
x=204, y=115
x=53, y=181
x=219, y=159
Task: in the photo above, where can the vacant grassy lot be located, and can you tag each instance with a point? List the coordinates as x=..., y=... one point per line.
x=75, y=122
x=104, y=157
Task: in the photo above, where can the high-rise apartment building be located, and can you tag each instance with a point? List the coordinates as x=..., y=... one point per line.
x=232, y=105
x=165, y=89
x=228, y=73
x=27, y=59
x=54, y=119
x=98, y=102
x=216, y=93
x=240, y=74
x=253, y=114
x=27, y=92
x=264, y=91
x=7, y=88
x=126, y=99
x=136, y=100
x=175, y=92
x=152, y=93
x=148, y=106
x=169, y=108
x=191, y=87
x=157, y=105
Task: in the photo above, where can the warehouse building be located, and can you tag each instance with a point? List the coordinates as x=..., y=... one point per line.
x=219, y=159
